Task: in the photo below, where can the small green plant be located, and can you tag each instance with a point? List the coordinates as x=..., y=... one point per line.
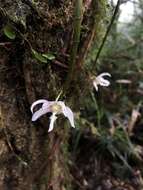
x=9, y=31
x=42, y=57
x=117, y=145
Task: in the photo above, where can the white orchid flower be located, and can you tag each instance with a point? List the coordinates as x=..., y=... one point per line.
x=99, y=80
x=54, y=107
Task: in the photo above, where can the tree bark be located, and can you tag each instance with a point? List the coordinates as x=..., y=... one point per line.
x=30, y=157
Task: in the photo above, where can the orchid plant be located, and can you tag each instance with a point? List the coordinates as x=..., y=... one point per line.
x=55, y=107
x=99, y=80
x=58, y=107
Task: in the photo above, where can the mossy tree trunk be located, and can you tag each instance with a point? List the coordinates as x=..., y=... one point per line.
x=30, y=157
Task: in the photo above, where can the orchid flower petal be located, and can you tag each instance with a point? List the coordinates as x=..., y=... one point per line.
x=39, y=113
x=47, y=104
x=69, y=114
x=41, y=101
x=104, y=82
x=104, y=74
x=95, y=85
x=99, y=80
x=52, y=121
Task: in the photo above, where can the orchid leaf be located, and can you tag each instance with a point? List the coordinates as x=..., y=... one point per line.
x=39, y=56
x=9, y=32
x=49, y=56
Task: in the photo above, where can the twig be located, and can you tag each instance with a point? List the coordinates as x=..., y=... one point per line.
x=107, y=32
x=60, y=64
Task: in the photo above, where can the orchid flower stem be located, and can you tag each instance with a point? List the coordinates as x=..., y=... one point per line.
x=76, y=38
x=107, y=32
x=59, y=95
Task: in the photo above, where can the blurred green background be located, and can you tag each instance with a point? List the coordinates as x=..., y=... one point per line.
x=111, y=121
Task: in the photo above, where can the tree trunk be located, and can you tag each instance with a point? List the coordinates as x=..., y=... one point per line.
x=30, y=157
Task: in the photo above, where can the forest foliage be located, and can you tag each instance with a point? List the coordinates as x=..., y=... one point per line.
x=108, y=123
x=114, y=114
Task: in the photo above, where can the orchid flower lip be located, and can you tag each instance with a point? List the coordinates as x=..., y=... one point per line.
x=54, y=107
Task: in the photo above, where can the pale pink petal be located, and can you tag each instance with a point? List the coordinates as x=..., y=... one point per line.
x=95, y=85
x=41, y=101
x=69, y=114
x=47, y=104
x=53, y=119
x=39, y=113
x=104, y=82
x=104, y=74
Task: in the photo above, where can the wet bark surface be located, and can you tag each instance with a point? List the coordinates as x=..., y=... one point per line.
x=28, y=153
x=30, y=158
